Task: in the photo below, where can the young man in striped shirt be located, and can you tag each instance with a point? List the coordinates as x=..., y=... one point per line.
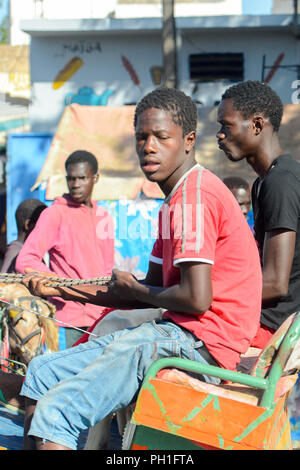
x=204, y=271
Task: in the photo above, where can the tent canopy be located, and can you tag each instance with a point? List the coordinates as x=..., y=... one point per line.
x=14, y=59
x=108, y=133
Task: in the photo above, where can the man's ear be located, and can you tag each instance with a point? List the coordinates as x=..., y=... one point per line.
x=26, y=225
x=258, y=124
x=96, y=177
x=190, y=140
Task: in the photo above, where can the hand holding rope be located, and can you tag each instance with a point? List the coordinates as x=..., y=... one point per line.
x=57, y=281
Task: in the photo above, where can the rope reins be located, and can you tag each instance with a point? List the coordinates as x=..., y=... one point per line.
x=57, y=281
x=17, y=307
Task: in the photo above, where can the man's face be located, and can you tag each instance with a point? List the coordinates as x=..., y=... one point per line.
x=243, y=197
x=161, y=147
x=236, y=135
x=80, y=180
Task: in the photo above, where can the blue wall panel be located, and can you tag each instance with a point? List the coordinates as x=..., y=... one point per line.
x=26, y=154
x=135, y=220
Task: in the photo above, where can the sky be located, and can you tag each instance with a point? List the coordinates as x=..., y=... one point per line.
x=3, y=9
x=256, y=7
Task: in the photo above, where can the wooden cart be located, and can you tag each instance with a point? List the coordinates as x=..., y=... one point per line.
x=247, y=411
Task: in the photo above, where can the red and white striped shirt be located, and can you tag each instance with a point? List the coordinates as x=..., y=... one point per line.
x=201, y=221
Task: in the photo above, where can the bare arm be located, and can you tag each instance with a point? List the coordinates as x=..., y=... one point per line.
x=36, y=282
x=97, y=295
x=192, y=295
x=279, y=249
x=111, y=296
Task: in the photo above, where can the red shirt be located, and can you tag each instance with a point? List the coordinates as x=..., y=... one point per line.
x=202, y=221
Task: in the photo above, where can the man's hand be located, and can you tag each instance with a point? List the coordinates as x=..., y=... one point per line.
x=123, y=285
x=35, y=282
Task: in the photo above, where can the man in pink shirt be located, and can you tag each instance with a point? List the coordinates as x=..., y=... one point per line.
x=79, y=237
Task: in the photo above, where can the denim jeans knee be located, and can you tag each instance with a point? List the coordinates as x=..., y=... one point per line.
x=77, y=388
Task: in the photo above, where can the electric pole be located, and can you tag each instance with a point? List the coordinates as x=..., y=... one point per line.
x=169, y=44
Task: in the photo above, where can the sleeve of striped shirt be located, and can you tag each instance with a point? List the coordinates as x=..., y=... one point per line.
x=195, y=227
x=156, y=254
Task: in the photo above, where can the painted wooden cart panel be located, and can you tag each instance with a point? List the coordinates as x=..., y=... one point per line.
x=247, y=412
x=209, y=421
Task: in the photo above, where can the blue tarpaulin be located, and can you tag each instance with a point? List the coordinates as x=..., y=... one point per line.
x=26, y=154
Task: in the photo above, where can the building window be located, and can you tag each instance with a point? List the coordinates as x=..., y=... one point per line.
x=216, y=66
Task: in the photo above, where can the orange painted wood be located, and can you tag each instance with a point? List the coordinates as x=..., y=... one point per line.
x=215, y=421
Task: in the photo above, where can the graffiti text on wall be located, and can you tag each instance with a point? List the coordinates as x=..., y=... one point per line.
x=79, y=47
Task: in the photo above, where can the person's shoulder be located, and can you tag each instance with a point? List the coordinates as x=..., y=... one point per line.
x=53, y=214
x=205, y=188
x=214, y=188
x=13, y=247
x=286, y=170
x=286, y=163
x=50, y=212
x=200, y=178
x=100, y=210
x=14, y=243
x=59, y=204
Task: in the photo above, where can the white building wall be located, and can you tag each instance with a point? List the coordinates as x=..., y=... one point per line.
x=70, y=9
x=254, y=46
x=101, y=68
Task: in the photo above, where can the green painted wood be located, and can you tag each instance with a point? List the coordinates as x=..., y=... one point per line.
x=160, y=440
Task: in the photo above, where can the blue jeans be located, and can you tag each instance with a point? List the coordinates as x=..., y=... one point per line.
x=78, y=387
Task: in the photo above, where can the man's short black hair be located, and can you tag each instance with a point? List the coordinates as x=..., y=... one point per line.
x=181, y=107
x=29, y=209
x=82, y=156
x=253, y=97
x=236, y=182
